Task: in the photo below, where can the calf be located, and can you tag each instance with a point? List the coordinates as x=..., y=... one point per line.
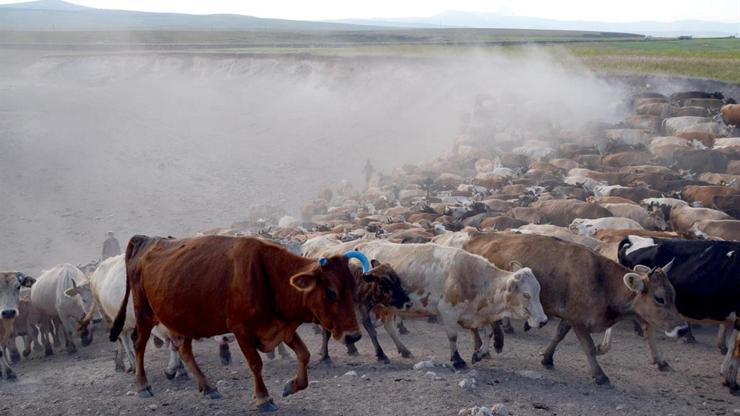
x=377, y=290
x=257, y=290
x=587, y=291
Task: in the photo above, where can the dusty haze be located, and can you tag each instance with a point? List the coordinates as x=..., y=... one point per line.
x=172, y=144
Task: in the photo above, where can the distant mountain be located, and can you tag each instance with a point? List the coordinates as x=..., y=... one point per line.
x=463, y=19
x=51, y=15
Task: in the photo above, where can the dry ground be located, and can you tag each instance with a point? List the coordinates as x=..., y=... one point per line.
x=85, y=383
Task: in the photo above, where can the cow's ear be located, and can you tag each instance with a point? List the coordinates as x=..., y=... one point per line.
x=369, y=278
x=374, y=263
x=515, y=265
x=303, y=281
x=634, y=282
x=641, y=268
x=72, y=292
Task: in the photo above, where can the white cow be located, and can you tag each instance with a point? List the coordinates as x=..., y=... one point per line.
x=63, y=295
x=589, y=227
x=10, y=286
x=461, y=288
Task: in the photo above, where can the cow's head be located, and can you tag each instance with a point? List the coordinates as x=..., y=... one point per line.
x=523, y=296
x=82, y=294
x=381, y=286
x=656, y=219
x=328, y=291
x=655, y=298
x=10, y=287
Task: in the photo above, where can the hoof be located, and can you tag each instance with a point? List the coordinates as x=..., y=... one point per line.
x=146, y=392
x=170, y=376
x=267, y=406
x=663, y=366
x=402, y=330
x=121, y=369
x=212, y=394
x=602, y=380
x=72, y=350
x=478, y=356
x=48, y=352
x=548, y=363
x=689, y=340
x=459, y=365
x=735, y=390
x=10, y=376
x=26, y=353
x=325, y=360
x=15, y=357
x=182, y=374
x=352, y=351
x=383, y=359
x=723, y=349
x=406, y=354
x=291, y=387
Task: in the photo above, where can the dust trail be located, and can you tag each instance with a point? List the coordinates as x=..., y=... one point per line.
x=172, y=144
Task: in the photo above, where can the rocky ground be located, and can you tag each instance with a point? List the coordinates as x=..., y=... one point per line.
x=86, y=383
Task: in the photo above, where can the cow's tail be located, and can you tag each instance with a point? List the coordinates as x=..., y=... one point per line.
x=134, y=246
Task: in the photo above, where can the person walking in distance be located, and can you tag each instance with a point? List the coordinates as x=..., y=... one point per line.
x=368, y=170
x=111, y=247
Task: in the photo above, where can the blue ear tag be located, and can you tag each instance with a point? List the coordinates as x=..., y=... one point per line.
x=323, y=261
x=21, y=277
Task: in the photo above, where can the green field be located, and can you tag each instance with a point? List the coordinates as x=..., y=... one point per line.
x=621, y=53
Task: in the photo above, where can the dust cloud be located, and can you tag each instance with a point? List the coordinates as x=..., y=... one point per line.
x=176, y=143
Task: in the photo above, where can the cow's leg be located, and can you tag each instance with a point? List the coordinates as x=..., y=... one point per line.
x=68, y=329
x=657, y=358
x=144, y=327
x=401, y=327
x=560, y=333
x=506, y=325
x=264, y=402
x=224, y=352
x=175, y=367
x=5, y=371
x=590, y=350
x=283, y=351
x=186, y=353
x=730, y=364
x=391, y=330
x=15, y=356
x=324, y=351
x=367, y=323
x=118, y=357
x=128, y=347
x=606, y=343
x=637, y=327
x=449, y=319
x=722, y=338
x=689, y=337
x=46, y=331
x=498, y=337
x=482, y=349
x=300, y=382
x=54, y=331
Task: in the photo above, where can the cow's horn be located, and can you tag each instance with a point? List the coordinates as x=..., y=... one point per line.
x=354, y=254
x=668, y=266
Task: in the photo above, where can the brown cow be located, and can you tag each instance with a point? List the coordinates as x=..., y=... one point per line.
x=730, y=114
x=562, y=212
x=706, y=194
x=587, y=291
x=260, y=292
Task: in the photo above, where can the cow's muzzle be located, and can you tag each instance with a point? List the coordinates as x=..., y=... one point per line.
x=9, y=313
x=352, y=338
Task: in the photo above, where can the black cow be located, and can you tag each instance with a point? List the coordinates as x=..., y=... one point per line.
x=706, y=276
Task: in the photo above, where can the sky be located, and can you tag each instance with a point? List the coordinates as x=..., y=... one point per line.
x=595, y=10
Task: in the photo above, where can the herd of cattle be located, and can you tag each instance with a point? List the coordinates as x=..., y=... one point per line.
x=638, y=221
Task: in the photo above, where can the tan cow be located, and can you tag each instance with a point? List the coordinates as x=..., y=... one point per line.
x=10, y=286
x=684, y=217
x=730, y=114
